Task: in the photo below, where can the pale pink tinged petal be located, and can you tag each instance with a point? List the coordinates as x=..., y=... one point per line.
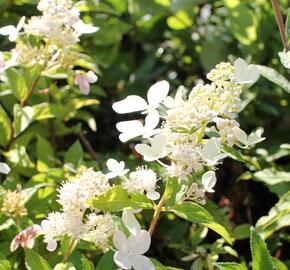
x=140, y=243
x=51, y=245
x=85, y=86
x=123, y=260
x=29, y=243
x=120, y=241
x=142, y=263
x=131, y=222
x=15, y=243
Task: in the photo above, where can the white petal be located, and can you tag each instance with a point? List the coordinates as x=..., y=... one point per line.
x=112, y=164
x=83, y=28
x=151, y=121
x=123, y=260
x=153, y=195
x=120, y=241
x=20, y=24
x=142, y=263
x=240, y=135
x=92, y=77
x=7, y=30
x=130, y=104
x=51, y=245
x=254, y=138
x=209, y=180
x=140, y=243
x=241, y=70
x=131, y=222
x=130, y=129
x=4, y=168
x=112, y=175
x=157, y=93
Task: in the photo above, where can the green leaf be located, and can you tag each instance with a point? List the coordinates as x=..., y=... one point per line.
x=107, y=262
x=5, y=127
x=179, y=21
x=33, y=261
x=78, y=103
x=260, y=254
x=74, y=154
x=17, y=84
x=271, y=176
x=242, y=231
x=277, y=218
x=5, y=265
x=117, y=199
x=23, y=117
x=278, y=265
x=45, y=154
x=174, y=191
x=275, y=77
x=193, y=212
x=65, y=266
x=160, y=266
x=243, y=21
x=233, y=153
x=230, y=266
x=46, y=110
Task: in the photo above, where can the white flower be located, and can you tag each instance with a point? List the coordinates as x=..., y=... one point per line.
x=116, y=168
x=253, y=138
x=208, y=181
x=157, y=149
x=25, y=238
x=143, y=180
x=246, y=74
x=156, y=94
x=130, y=221
x=53, y=227
x=7, y=64
x=130, y=250
x=12, y=31
x=4, y=168
x=73, y=195
x=83, y=28
x=285, y=58
x=99, y=229
x=135, y=128
x=84, y=81
x=211, y=152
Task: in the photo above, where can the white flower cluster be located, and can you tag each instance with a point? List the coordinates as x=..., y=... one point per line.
x=141, y=180
x=60, y=23
x=74, y=219
x=57, y=30
x=195, y=128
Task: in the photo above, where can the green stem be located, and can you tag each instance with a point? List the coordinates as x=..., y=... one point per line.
x=201, y=133
x=156, y=214
x=69, y=251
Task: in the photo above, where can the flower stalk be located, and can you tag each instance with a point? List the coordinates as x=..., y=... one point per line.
x=156, y=215
x=280, y=23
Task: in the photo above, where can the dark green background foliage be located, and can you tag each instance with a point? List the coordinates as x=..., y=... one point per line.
x=140, y=42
